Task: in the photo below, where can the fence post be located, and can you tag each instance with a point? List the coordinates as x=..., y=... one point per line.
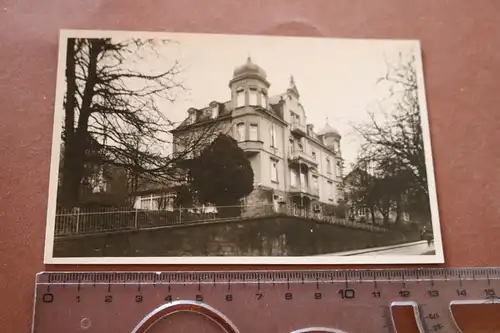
x=180, y=215
x=77, y=220
x=136, y=218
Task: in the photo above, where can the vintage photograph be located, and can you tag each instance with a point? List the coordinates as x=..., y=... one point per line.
x=179, y=148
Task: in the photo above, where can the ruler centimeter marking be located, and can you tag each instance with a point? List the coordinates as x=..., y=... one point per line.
x=306, y=276
x=351, y=301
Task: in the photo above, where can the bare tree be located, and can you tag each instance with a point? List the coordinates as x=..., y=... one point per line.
x=358, y=187
x=394, y=142
x=112, y=115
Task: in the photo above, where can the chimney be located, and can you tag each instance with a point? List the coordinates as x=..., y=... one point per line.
x=280, y=107
x=310, y=129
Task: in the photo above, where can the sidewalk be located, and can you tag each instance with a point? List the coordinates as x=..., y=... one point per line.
x=413, y=248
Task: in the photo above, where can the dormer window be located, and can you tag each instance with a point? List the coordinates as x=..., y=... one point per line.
x=215, y=111
x=240, y=98
x=253, y=97
x=192, y=118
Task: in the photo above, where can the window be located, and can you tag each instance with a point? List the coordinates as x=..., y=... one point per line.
x=156, y=202
x=99, y=183
x=274, y=171
x=292, y=146
x=337, y=147
x=339, y=169
x=293, y=178
x=294, y=118
x=303, y=180
x=330, y=191
x=314, y=155
x=253, y=97
x=240, y=132
x=315, y=184
x=328, y=166
x=253, y=132
x=263, y=97
x=148, y=203
x=273, y=135
x=240, y=98
x=301, y=147
x=215, y=112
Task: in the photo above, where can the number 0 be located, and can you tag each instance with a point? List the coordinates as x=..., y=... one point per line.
x=48, y=298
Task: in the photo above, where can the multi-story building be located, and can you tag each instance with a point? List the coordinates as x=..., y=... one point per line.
x=292, y=163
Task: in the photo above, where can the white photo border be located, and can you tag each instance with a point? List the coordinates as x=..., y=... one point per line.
x=437, y=258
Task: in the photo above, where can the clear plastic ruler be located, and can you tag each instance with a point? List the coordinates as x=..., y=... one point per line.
x=342, y=301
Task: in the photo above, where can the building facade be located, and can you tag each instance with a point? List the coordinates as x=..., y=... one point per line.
x=292, y=163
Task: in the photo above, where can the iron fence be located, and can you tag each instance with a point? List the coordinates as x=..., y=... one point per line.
x=79, y=221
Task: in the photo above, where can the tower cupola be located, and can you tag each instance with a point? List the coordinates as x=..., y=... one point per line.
x=249, y=86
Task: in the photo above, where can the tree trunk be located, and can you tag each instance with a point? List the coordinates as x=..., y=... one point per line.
x=386, y=218
x=384, y=210
x=70, y=102
x=77, y=142
x=398, y=211
x=372, y=212
x=73, y=170
x=66, y=197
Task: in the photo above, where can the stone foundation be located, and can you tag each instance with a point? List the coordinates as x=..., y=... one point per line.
x=269, y=236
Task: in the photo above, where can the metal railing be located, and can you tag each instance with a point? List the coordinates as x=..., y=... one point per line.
x=78, y=221
x=297, y=154
x=298, y=127
x=320, y=217
x=308, y=189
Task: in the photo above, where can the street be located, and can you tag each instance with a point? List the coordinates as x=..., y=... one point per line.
x=413, y=248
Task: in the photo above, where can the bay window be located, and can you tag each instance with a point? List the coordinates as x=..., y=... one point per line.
x=240, y=132
x=240, y=98
x=253, y=96
x=253, y=132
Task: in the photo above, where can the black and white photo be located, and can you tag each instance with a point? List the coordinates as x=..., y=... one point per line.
x=179, y=148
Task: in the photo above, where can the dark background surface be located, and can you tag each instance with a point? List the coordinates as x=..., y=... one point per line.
x=461, y=46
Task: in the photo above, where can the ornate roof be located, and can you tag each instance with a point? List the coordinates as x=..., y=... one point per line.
x=328, y=129
x=249, y=68
x=293, y=88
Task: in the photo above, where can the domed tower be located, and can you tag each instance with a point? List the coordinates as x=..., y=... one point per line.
x=331, y=138
x=249, y=85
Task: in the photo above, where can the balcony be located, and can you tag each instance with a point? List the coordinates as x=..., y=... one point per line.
x=304, y=190
x=298, y=129
x=251, y=147
x=298, y=156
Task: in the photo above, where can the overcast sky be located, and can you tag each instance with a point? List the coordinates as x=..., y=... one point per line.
x=336, y=78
